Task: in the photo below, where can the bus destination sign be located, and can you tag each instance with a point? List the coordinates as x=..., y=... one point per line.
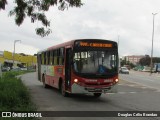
x=93, y=44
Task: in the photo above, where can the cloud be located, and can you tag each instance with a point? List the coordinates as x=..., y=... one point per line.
x=103, y=19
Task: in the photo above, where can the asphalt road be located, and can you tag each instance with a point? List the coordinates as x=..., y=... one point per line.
x=143, y=78
x=130, y=97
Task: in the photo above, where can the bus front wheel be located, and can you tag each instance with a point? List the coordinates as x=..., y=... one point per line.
x=97, y=95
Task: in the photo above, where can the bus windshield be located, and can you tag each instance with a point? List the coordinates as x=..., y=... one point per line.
x=95, y=62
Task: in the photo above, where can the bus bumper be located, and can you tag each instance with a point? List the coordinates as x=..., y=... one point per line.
x=86, y=90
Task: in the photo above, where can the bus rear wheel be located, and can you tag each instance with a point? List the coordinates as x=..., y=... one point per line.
x=97, y=95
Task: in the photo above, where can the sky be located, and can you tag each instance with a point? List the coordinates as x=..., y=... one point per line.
x=131, y=20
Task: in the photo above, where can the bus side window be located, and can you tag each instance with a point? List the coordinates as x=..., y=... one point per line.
x=63, y=50
x=55, y=60
x=55, y=57
x=39, y=58
x=42, y=58
x=61, y=56
x=48, y=57
x=58, y=56
x=52, y=57
x=41, y=55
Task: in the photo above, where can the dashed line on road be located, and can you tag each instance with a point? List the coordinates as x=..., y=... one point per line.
x=131, y=85
x=120, y=84
x=144, y=87
x=134, y=84
x=158, y=91
x=132, y=92
x=123, y=93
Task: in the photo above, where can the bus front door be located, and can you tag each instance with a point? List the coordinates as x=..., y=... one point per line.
x=68, y=68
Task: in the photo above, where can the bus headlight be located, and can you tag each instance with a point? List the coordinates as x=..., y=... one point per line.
x=75, y=80
x=116, y=80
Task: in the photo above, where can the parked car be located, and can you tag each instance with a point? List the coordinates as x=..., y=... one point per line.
x=16, y=69
x=4, y=69
x=124, y=70
x=23, y=68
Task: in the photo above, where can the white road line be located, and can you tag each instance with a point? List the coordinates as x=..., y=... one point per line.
x=157, y=91
x=149, y=80
x=140, y=84
x=122, y=92
x=110, y=93
x=121, y=84
x=132, y=92
x=132, y=85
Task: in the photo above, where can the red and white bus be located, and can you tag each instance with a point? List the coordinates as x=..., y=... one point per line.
x=80, y=66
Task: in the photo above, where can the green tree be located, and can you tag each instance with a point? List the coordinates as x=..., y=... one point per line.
x=123, y=62
x=132, y=65
x=35, y=10
x=145, y=61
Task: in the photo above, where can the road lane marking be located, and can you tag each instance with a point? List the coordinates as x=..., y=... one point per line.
x=144, y=87
x=135, y=85
x=132, y=92
x=139, y=84
x=157, y=91
x=120, y=84
x=122, y=92
x=132, y=85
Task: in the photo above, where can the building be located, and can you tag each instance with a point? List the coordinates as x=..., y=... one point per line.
x=1, y=57
x=6, y=59
x=134, y=58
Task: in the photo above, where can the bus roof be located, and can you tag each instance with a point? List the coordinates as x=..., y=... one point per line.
x=69, y=43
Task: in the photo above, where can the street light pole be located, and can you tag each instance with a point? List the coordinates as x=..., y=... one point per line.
x=14, y=49
x=152, y=42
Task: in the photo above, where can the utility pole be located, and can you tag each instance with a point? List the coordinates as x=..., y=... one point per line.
x=152, y=42
x=14, y=50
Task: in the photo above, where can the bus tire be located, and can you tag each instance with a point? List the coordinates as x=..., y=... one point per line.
x=65, y=94
x=44, y=84
x=97, y=95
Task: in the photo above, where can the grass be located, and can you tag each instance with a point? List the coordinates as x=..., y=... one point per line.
x=14, y=96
